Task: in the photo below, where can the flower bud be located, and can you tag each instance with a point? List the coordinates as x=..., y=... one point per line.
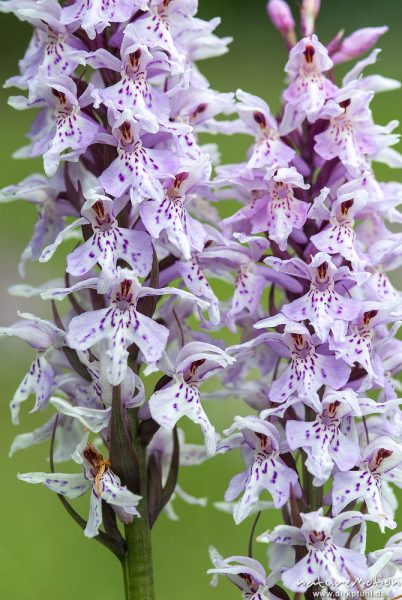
x=334, y=45
x=282, y=18
x=358, y=43
x=309, y=11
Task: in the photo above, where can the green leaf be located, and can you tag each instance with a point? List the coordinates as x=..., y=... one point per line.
x=122, y=454
x=69, y=353
x=155, y=488
x=279, y=592
x=147, y=304
x=171, y=480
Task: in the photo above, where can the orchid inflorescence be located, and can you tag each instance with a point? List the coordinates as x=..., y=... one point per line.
x=306, y=252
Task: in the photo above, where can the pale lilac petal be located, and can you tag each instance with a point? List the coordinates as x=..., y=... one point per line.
x=171, y=216
x=83, y=258
x=333, y=372
x=66, y=484
x=322, y=309
x=150, y=337
x=48, y=252
x=38, y=333
x=89, y=328
x=113, y=492
x=94, y=15
x=247, y=294
x=196, y=282
x=180, y=399
x=92, y=418
x=236, y=486
x=298, y=434
x=135, y=248
x=346, y=453
x=300, y=577
x=95, y=515
x=38, y=435
x=139, y=171
x=38, y=381
x=75, y=133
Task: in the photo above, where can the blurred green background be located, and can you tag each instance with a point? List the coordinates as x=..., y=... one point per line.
x=43, y=554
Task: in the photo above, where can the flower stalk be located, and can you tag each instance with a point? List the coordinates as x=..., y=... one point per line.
x=138, y=564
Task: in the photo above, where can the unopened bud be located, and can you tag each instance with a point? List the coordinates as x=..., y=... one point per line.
x=282, y=18
x=358, y=43
x=334, y=45
x=309, y=11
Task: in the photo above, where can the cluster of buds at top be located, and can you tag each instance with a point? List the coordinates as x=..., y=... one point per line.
x=122, y=104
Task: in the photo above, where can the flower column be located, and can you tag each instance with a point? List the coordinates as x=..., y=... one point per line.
x=121, y=104
x=321, y=374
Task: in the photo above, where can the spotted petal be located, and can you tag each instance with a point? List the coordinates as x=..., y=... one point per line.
x=196, y=282
x=322, y=308
x=106, y=247
x=95, y=15
x=324, y=446
x=265, y=474
x=66, y=484
x=38, y=381
x=94, y=516
x=119, y=329
x=139, y=171
x=307, y=375
x=168, y=405
x=182, y=230
x=247, y=293
x=153, y=30
x=339, y=239
x=335, y=566
x=355, y=485
x=116, y=494
x=136, y=95
x=73, y=132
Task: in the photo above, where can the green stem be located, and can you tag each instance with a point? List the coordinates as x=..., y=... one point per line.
x=123, y=564
x=314, y=494
x=137, y=566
